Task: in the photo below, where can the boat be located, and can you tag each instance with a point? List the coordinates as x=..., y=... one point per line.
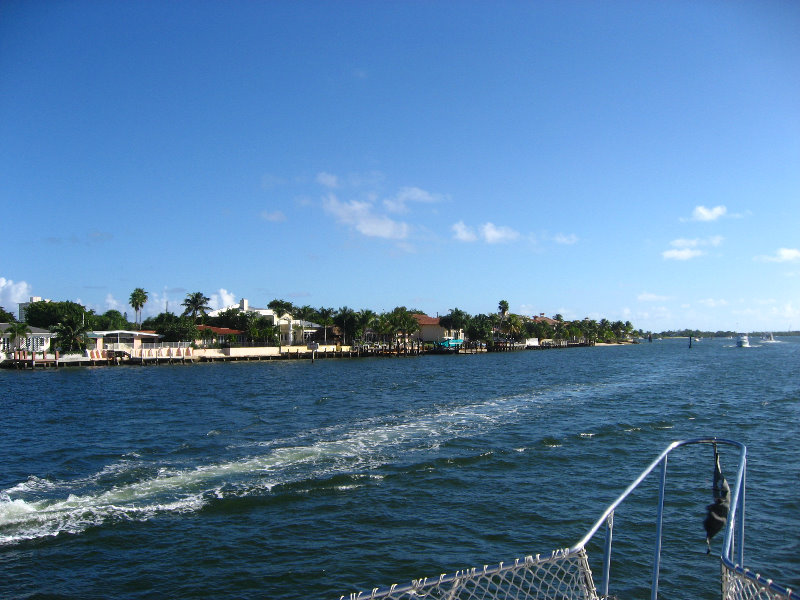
x=768, y=338
x=565, y=574
x=742, y=341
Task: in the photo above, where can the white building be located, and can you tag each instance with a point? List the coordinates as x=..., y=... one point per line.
x=287, y=324
x=37, y=340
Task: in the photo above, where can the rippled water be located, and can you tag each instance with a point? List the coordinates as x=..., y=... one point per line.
x=299, y=480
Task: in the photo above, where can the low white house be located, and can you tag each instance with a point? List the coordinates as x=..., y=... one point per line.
x=37, y=340
x=120, y=340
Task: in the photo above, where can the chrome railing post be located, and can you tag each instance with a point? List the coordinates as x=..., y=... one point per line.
x=659, y=521
x=607, y=555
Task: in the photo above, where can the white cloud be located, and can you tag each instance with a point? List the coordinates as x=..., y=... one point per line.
x=328, y=180
x=681, y=254
x=12, y=293
x=493, y=234
x=701, y=213
x=648, y=297
x=685, y=249
x=463, y=233
x=274, y=217
x=561, y=238
x=362, y=217
x=782, y=255
x=112, y=303
x=398, y=204
x=221, y=299
x=712, y=303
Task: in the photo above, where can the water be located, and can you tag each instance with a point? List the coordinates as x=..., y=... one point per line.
x=300, y=480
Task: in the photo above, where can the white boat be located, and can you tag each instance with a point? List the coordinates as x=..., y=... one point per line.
x=565, y=574
x=768, y=338
x=743, y=341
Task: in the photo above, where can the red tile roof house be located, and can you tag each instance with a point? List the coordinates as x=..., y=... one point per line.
x=431, y=331
x=218, y=335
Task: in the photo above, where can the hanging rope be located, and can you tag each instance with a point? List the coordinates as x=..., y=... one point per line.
x=718, y=511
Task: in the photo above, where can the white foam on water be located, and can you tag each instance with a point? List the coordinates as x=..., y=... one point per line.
x=28, y=510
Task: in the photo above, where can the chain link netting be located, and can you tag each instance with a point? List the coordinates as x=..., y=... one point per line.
x=560, y=576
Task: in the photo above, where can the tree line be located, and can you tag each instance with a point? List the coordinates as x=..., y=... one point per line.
x=71, y=322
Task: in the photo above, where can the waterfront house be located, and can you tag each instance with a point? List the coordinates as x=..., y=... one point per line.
x=36, y=341
x=289, y=328
x=430, y=330
x=210, y=336
x=121, y=340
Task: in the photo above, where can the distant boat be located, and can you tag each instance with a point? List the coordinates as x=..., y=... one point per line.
x=743, y=341
x=769, y=338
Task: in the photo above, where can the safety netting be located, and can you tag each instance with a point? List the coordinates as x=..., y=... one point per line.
x=742, y=584
x=562, y=575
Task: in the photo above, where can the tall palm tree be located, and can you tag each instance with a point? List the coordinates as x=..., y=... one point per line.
x=365, y=319
x=18, y=332
x=196, y=303
x=325, y=319
x=137, y=300
x=346, y=318
x=502, y=308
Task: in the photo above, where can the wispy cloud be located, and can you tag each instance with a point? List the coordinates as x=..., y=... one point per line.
x=328, y=180
x=712, y=302
x=648, y=297
x=463, y=233
x=781, y=255
x=488, y=232
x=561, y=238
x=494, y=234
x=399, y=203
x=686, y=249
x=363, y=218
x=273, y=216
x=701, y=213
x=112, y=303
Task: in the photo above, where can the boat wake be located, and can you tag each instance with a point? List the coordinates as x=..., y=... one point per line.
x=139, y=489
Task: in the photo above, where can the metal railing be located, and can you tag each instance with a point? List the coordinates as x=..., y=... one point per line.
x=738, y=583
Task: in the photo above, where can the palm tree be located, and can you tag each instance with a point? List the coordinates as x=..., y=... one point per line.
x=196, y=303
x=18, y=332
x=325, y=319
x=346, y=317
x=137, y=300
x=365, y=319
x=502, y=308
x=71, y=334
x=281, y=307
x=306, y=314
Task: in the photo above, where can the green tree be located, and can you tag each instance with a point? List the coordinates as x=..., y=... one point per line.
x=365, y=320
x=326, y=320
x=111, y=319
x=6, y=317
x=455, y=320
x=137, y=300
x=17, y=332
x=48, y=314
x=479, y=328
x=172, y=327
x=502, y=308
x=345, y=319
x=281, y=307
x=71, y=334
x=195, y=303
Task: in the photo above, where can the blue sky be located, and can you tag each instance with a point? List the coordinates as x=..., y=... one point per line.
x=629, y=160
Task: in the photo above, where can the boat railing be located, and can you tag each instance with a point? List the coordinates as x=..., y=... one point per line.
x=565, y=574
